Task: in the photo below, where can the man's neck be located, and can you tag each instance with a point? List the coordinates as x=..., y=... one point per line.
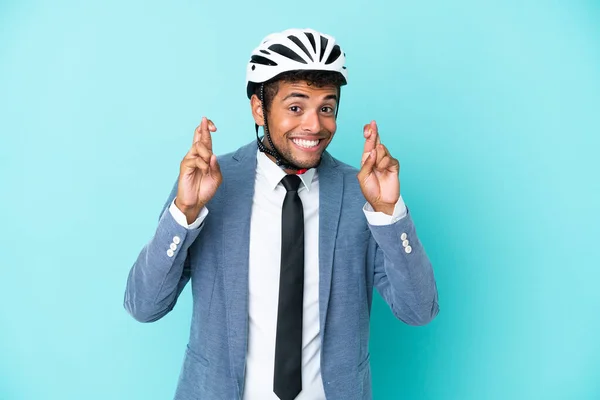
x=287, y=171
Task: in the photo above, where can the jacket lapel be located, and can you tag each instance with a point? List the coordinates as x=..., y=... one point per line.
x=238, y=197
x=331, y=188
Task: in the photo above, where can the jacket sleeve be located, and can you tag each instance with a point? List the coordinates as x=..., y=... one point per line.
x=161, y=270
x=403, y=273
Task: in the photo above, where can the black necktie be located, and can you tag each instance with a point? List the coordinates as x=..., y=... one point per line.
x=287, y=382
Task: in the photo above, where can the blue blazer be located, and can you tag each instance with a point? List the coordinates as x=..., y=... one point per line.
x=354, y=257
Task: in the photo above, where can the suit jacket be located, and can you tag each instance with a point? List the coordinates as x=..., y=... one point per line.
x=354, y=257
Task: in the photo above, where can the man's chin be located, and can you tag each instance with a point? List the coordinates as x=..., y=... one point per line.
x=307, y=164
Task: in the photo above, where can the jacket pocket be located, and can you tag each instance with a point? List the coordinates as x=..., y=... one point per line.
x=364, y=378
x=192, y=378
x=196, y=356
x=364, y=363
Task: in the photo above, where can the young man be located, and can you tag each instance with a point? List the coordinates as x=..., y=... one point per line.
x=283, y=243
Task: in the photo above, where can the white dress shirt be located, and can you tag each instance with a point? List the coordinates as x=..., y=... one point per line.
x=264, y=259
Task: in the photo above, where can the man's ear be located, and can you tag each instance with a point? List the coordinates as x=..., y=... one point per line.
x=257, y=110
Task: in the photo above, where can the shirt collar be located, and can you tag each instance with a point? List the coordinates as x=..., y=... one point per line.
x=274, y=174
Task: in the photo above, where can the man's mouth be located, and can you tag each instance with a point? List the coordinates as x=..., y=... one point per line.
x=306, y=144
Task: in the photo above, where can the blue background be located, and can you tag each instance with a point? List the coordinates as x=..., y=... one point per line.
x=492, y=108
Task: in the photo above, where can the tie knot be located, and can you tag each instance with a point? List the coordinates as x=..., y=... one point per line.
x=291, y=182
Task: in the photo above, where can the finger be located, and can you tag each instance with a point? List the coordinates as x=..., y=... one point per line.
x=388, y=164
x=383, y=164
x=381, y=153
x=202, y=165
x=364, y=157
x=202, y=151
x=189, y=163
x=383, y=149
x=197, y=134
x=369, y=144
x=205, y=135
x=215, y=168
x=375, y=131
x=368, y=164
x=393, y=162
x=192, y=152
x=211, y=126
x=198, y=130
x=371, y=135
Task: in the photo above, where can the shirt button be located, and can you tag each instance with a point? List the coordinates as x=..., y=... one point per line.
x=176, y=239
x=403, y=236
x=170, y=253
x=405, y=243
x=408, y=249
x=173, y=246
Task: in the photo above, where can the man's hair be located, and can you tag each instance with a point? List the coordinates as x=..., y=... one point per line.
x=312, y=78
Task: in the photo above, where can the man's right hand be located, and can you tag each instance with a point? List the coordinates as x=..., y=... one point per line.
x=199, y=174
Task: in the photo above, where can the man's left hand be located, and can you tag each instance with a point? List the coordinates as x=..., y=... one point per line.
x=379, y=174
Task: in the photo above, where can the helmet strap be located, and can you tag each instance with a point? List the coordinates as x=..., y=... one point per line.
x=279, y=159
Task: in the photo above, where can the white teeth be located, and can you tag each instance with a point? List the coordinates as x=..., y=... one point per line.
x=307, y=144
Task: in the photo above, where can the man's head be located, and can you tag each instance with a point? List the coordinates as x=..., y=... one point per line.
x=294, y=78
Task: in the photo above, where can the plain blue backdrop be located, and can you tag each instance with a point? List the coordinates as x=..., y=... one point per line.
x=492, y=108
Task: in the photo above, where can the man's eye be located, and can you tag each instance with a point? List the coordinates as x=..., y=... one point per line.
x=327, y=109
x=294, y=108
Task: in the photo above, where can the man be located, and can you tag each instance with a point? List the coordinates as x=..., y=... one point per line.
x=283, y=243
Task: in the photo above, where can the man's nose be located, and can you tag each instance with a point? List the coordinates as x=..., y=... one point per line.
x=311, y=122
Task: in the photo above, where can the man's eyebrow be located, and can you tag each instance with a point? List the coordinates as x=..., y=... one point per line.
x=304, y=96
x=295, y=94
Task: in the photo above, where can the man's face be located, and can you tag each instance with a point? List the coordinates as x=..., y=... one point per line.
x=301, y=121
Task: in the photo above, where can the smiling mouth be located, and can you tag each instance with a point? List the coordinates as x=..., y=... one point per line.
x=307, y=144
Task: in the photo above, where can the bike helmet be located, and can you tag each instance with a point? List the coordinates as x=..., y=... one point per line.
x=293, y=50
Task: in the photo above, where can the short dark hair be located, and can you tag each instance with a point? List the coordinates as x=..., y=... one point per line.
x=312, y=78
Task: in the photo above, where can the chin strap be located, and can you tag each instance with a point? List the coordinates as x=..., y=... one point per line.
x=280, y=160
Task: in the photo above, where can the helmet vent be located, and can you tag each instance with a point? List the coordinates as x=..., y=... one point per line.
x=262, y=60
x=311, y=39
x=324, y=42
x=286, y=52
x=335, y=53
x=301, y=45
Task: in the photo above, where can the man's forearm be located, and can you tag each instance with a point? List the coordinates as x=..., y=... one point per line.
x=156, y=278
x=404, y=274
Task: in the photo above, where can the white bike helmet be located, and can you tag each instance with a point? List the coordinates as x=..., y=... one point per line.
x=293, y=50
